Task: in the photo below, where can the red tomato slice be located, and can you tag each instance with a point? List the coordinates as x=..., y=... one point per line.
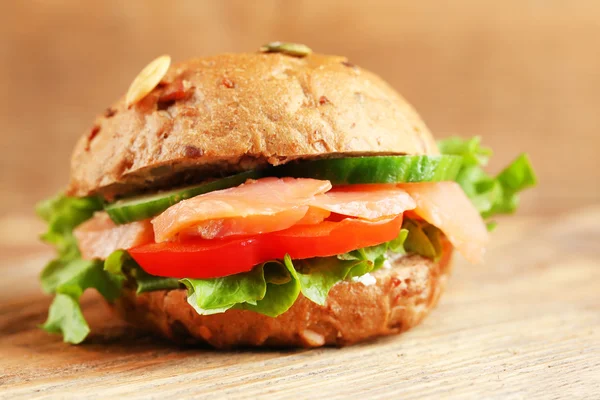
x=204, y=259
x=332, y=238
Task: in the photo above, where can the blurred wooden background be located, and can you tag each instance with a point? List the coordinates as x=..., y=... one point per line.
x=524, y=74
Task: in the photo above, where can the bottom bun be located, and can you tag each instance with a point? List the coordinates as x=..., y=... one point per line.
x=399, y=299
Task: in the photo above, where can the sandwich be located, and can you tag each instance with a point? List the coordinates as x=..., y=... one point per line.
x=276, y=198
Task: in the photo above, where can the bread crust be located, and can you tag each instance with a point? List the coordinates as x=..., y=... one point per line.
x=233, y=112
x=401, y=297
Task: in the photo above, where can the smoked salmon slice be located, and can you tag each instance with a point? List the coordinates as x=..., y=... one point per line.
x=371, y=202
x=271, y=204
x=314, y=216
x=446, y=206
x=265, y=197
x=99, y=236
x=250, y=225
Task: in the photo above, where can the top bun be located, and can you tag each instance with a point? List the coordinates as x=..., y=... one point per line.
x=215, y=115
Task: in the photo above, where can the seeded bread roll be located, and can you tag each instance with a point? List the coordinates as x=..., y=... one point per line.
x=399, y=299
x=215, y=115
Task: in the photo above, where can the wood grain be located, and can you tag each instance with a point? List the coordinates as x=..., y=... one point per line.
x=521, y=73
x=524, y=325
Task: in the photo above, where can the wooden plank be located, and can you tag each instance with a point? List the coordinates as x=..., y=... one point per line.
x=525, y=325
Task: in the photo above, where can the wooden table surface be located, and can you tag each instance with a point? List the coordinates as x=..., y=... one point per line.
x=524, y=325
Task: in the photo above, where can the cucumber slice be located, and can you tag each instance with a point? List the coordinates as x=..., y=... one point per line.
x=142, y=207
x=377, y=169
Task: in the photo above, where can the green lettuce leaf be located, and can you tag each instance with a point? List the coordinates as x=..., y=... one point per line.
x=490, y=195
x=63, y=214
x=65, y=317
x=120, y=263
x=283, y=288
x=270, y=289
x=149, y=283
x=318, y=275
x=216, y=295
x=69, y=283
x=422, y=238
x=471, y=150
x=273, y=287
x=83, y=274
x=415, y=237
x=376, y=254
x=68, y=276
